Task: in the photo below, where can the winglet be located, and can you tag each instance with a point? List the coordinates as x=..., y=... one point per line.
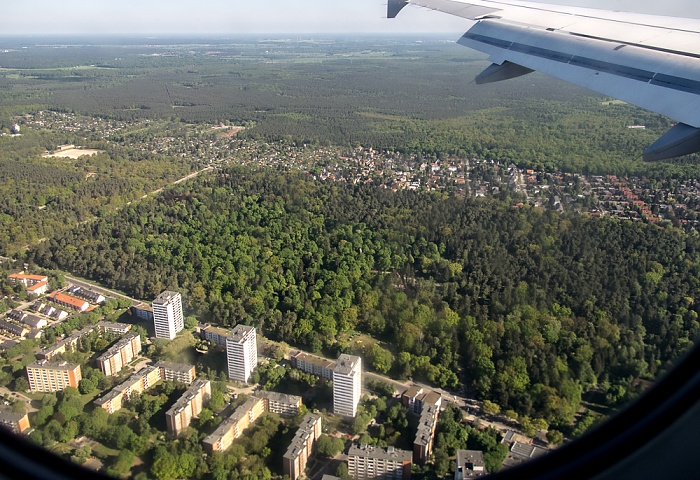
x=394, y=7
x=680, y=140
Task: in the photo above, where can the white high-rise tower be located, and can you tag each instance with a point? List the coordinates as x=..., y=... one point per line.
x=241, y=353
x=347, y=385
x=167, y=315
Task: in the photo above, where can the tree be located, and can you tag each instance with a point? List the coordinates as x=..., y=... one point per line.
x=342, y=471
x=555, y=437
x=329, y=447
x=217, y=400
x=491, y=408
x=122, y=464
x=165, y=466
x=86, y=386
x=21, y=384
x=191, y=322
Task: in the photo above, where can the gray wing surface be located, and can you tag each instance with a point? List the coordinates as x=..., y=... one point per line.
x=647, y=60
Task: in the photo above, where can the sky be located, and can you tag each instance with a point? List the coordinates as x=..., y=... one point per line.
x=257, y=16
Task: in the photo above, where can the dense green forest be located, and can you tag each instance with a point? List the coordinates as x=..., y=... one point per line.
x=387, y=93
x=532, y=307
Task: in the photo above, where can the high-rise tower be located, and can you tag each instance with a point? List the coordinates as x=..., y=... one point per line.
x=241, y=353
x=167, y=315
x=347, y=385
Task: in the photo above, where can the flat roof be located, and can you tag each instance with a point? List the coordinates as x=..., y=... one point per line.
x=198, y=385
x=280, y=397
x=54, y=365
x=175, y=367
x=314, y=360
x=474, y=458
x=239, y=332
x=389, y=453
x=235, y=417
x=116, y=348
x=346, y=363
x=165, y=298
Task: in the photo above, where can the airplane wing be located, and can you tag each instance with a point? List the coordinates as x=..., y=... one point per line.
x=646, y=60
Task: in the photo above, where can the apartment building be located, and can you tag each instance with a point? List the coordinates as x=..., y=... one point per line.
x=280, y=403
x=314, y=365
x=188, y=406
x=233, y=427
x=167, y=315
x=176, y=372
x=142, y=311
x=425, y=434
x=241, y=353
x=295, y=459
x=136, y=383
x=366, y=462
x=120, y=354
x=347, y=385
x=469, y=464
x=415, y=397
x=14, y=422
x=44, y=376
x=215, y=335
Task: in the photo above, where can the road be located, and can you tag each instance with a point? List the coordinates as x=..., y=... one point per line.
x=472, y=405
x=183, y=179
x=103, y=291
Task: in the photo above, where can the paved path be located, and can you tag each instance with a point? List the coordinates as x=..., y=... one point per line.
x=91, y=286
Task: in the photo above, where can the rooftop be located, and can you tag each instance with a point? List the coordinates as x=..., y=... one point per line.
x=527, y=451
x=346, y=363
x=116, y=348
x=389, y=453
x=165, y=298
x=306, y=429
x=235, y=417
x=54, y=365
x=188, y=396
x=314, y=360
x=240, y=332
x=175, y=367
x=280, y=397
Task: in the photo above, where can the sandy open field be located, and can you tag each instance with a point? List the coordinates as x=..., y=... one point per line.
x=72, y=153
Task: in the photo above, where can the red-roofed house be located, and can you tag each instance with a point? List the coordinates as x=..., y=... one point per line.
x=68, y=301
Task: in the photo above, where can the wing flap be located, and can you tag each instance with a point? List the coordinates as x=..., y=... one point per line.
x=658, y=81
x=664, y=33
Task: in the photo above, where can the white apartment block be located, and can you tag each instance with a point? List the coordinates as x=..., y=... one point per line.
x=347, y=385
x=167, y=315
x=241, y=353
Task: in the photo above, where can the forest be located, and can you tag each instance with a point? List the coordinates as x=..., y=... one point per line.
x=408, y=94
x=534, y=310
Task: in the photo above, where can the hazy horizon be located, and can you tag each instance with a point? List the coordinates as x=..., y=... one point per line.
x=283, y=17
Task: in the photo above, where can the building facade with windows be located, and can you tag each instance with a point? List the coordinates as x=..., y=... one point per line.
x=44, y=376
x=347, y=385
x=176, y=372
x=366, y=462
x=167, y=315
x=233, y=427
x=241, y=353
x=188, y=406
x=297, y=455
x=120, y=354
x=14, y=422
x=280, y=403
x=314, y=365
